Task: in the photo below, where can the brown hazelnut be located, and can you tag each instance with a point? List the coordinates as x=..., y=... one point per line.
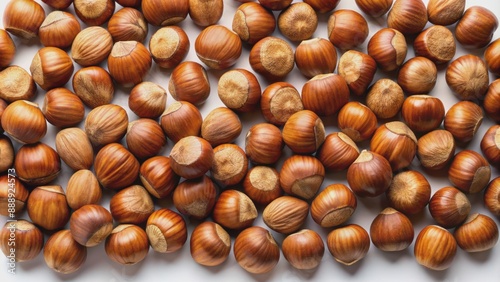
x=476, y=27
x=115, y=167
x=106, y=124
x=13, y=195
x=272, y=57
x=62, y=108
x=195, y=197
x=469, y=172
x=169, y=46
x=338, y=152
x=435, y=43
x=147, y=100
x=94, y=86
x=409, y=192
x=369, y=175
x=279, y=101
x=491, y=103
x=234, y=210
x=181, y=119
x=298, y=22
x=90, y=225
x=492, y=57
x=388, y=48
x=129, y=62
x=348, y=244
x=304, y=132
x=51, y=67
x=189, y=82
x=145, y=138
x=304, y=249
x=83, y=189
x=449, y=207
x=209, y=244
x=91, y=46
x=357, y=121
x=262, y=184
x=478, y=233
x=462, y=120
x=161, y=13
x=396, y=142
x=492, y=196
x=347, y=29
x=445, y=12
x=158, y=177
x=47, y=207
x=422, y=113
x=94, y=12
x=325, y=94
x=23, y=18
x=230, y=165
x=385, y=98
x=436, y=149
x=127, y=244
x=255, y=250
x=358, y=70
x=333, y=206
x=285, y=214
x=28, y=240
x=128, y=24
x=218, y=47
x=166, y=231
x=16, y=84
x=221, y=126
x=131, y=205
x=409, y=17
x=264, y=144
x=417, y=76
x=468, y=77
x=63, y=254
x=375, y=9
x=191, y=157
x=74, y=148
x=24, y=122
x=59, y=29
x=323, y=6
x=37, y=164
x=490, y=145
x=205, y=12
x=239, y=90
x=59, y=4
x=275, y=5
x=302, y=176
x=315, y=56
x=435, y=248
x=252, y=22
x=391, y=231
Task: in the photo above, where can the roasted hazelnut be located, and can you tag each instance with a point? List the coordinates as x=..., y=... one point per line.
x=302, y=176
x=145, y=138
x=131, y=205
x=348, y=244
x=449, y=207
x=264, y=144
x=74, y=148
x=221, y=126
x=13, y=195
x=230, y=165
x=476, y=27
x=147, y=100
x=23, y=18
x=490, y=145
x=418, y=75
x=106, y=124
x=59, y=29
x=166, y=231
x=492, y=57
x=90, y=225
x=252, y=22
x=83, y=189
x=333, y=206
x=469, y=172
x=304, y=249
x=37, y=164
x=195, y=197
x=315, y=56
x=338, y=152
x=323, y=6
x=94, y=86
x=234, y=210
x=462, y=120
x=218, y=47
x=256, y=251
x=445, y=12
x=239, y=90
x=298, y=22
x=94, y=12
x=477, y=234
x=492, y=196
x=396, y=142
x=285, y=214
x=51, y=67
x=391, y=231
x=304, y=132
x=357, y=121
x=422, y=113
x=272, y=57
x=409, y=17
x=47, y=207
x=435, y=248
x=62, y=108
x=129, y=62
x=24, y=122
x=161, y=13
x=169, y=46
x=16, y=84
x=385, y=98
x=181, y=119
x=409, y=192
x=325, y=94
x=189, y=82
x=59, y=4
x=279, y=101
x=435, y=43
x=374, y=8
x=369, y=175
x=436, y=149
x=347, y=29
x=262, y=184
x=205, y=12
x=275, y=5
x=468, y=77
x=128, y=24
x=91, y=46
x=158, y=177
x=209, y=244
x=491, y=103
x=191, y=157
x=63, y=254
x=28, y=240
x=358, y=70
x=127, y=244
x=388, y=48
x=115, y=167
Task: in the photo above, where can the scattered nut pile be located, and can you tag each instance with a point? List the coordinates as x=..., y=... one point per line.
x=384, y=125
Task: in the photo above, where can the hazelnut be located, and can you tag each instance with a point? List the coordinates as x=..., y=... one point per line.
x=230, y=164
x=59, y=29
x=62, y=108
x=191, y=157
x=181, y=119
x=492, y=196
x=477, y=234
x=369, y=175
x=272, y=57
x=131, y=205
x=491, y=101
x=304, y=132
x=338, y=152
x=239, y=90
x=37, y=164
x=94, y=12
x=90, y=225
x=13, y=195
x=158, y=177
x=315, y=56
x=218, y=47
x=436, y=149
x=127, y=244
x=51, y=67
x=147, y=100
x=469, y=172
x=445, y=12
x=391, y=231
x=195, y=197
x=169, y=46
x=115, y=167
x=209, y=244
x=435, y=43
x=94, y=86
x=59, y=4
x=422, y=113
x=333, y=206
x=166, y=231
x=47, y=207
x=234, y=210
x=16, y=84
x=325, y=94
x=285, y=214
x=275, y=5
x=298, y=22
x=388, y=48
x=28, y=240
x=322, y=6
x=357, y=121
x=396, y=142
x=256, y=251
x=189, y=82
x=468, y=77
x=279, y=101
x=161, y=13
x=252, y=22
x=63, y=254
x=23, y=18
x=221, y=126
x=205, y=12
x=145, y=138
x=83, y=189
x=91, y=46
x=409, y=17
x=385, y=98
x=492, y=56
x=358, y=70
x=304, y=249
x=24, y=122
x=409, y=192
x=74, y=148
x=348, y=244
x=264, y=144
x=449, y=207
x=347, y=29
x=374, y=9
x=435, y=248
x=128, y=24
x=476, y=27
x=302, y=176
x=418, y=75
x=262, y=184
x=463, y=119
x=106, y=124
x=129, y=62
x=490, y=145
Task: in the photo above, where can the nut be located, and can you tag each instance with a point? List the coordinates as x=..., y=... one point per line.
x=83, y=189
x=37, y=164
x=492, y=56
x=323, y=6
x=16, y=84
x=239, y=90
x=272, y=57
x=234, y=210
x=147, y=100
x=29, y=240
x=304, y=132
x=463, y=120
x=477, y=234
x=302, y=176
x=158, y=177
x=252, y=22
x=169, y=46
x=492, y=196
x=409, y=17
x=469, y=172
x=476, y=27
x=59, y=29
x=435, y=248
x=221, y=126
x=210, y=244
x=436, y=149
x=94, y=86
x=218, y=47
x=262, y=184
x=264, y=144
x=374, y=9
x=62, y=108
x=205, y=12
x=63, y=254
x=129, y=62
x=409, y=192
x=491, y=101
x=338, y=152
x=304, y=249
x=90, y=225
x=47, y=207
x=418, y=75
x=191, y=157
x=385, y=98
x=348, y=244
x=181, y=119
x=59, y=4
x=275, y=5
x=128, y=24
x=13, y=196
x=24, y=122
x=357, y=121
x=347, y=29
x=230, y=165
x=468, y=77
x=195, y=197
x=51, y=67
x=115, y=167
x=145, y=138
x=127, y=244
x=435, y=43
x=161, y=13
x=315, y=56
x=298, y=22
x=279, y=101
x=445, y=12
x=189, y=82
x=317, y=94
x=94, y=12
x=131, y=205
x=358, y=70
x=422, y=113
x=449, y=207
x=91, y=46
x=23, y=18
x=391, y=231
x=333, y=206
x=285, y=214
x=74, y=148
x=395, y=142
x=256, y=251
x=369, y=175
x=106, y=124
x=166, y=231
x=388, y=48
x=490, y=145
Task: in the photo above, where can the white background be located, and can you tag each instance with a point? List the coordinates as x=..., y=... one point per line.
x=376, y=266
